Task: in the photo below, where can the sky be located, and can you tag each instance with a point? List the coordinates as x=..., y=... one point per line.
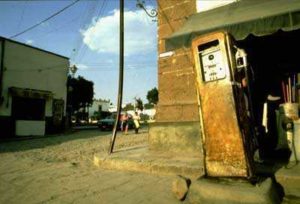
x=88, y=33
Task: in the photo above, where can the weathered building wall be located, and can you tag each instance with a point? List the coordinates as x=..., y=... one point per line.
x=177, y=125
x=26, y=67
x=99, y=103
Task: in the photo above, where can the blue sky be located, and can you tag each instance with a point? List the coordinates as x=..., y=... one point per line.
x=88, y=34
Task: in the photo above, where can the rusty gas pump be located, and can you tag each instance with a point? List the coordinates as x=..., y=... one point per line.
x=226, y=125
x=224, y=120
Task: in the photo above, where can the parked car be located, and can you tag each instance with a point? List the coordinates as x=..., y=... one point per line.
x=108, y=123
x=93, y=121
x=83, y=122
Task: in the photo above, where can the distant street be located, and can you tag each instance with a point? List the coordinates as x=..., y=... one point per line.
x=59, y=169
x=86, y=127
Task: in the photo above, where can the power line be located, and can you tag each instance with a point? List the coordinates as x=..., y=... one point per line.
x=43, y=21
x=22, y=14
x=89, y=69
x=65, y=25
x=84, y=47
x=89, y=11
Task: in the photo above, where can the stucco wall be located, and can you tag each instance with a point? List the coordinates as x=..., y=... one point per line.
x=26, y=67
x=95, y=106
x=1, y=42
x=32, y=128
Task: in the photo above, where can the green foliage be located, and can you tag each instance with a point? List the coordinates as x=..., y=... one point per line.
x=148, y=106
x=144, y=117
x=81, y=115
x=152, y=96
x=139, y=104
x=80, y=93
x=128, y=107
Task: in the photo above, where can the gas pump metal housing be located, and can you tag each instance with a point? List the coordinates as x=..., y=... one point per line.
x=222, y=110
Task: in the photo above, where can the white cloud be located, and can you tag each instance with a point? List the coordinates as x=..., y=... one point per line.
x=29, y=42
x=140, y=34
x=82, y=66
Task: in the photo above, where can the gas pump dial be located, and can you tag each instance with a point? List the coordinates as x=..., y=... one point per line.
x=211, y=60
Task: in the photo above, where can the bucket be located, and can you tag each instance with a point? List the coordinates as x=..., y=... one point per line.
x=297, y=138
x=291, y=110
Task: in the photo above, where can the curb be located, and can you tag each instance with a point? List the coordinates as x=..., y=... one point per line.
x=146, y=162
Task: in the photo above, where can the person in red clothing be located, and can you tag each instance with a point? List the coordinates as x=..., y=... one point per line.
x=124, y=122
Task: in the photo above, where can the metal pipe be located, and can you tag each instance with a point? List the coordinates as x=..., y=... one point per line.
x=121, y=76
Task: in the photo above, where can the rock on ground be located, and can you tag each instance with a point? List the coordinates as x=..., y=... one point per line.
x=180, y=187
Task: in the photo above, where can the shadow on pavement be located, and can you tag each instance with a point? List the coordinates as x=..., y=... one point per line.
x=16, y=144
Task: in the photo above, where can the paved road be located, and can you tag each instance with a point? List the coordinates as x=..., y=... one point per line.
x=59, y=170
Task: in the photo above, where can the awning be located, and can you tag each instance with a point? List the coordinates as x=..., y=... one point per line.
x=257, y=17
x=30, y=93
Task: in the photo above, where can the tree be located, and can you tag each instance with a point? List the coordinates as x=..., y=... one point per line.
x=148, y=106
x=139, y=104
x=80, y=93
x=152, y=96
x=128, y=107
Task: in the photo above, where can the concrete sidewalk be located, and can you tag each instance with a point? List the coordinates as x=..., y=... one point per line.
x=289, y=178
x=141, y=159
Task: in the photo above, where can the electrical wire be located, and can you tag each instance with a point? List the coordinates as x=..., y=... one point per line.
x=65, y=25
x=22, y=14
x=85, y=17
x=99, y=15
x=43, y=21
x=90, y=69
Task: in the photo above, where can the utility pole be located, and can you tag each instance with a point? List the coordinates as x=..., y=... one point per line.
x=121, y=76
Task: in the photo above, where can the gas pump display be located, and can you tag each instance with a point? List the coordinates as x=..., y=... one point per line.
x=221, y=107
x=211, y=60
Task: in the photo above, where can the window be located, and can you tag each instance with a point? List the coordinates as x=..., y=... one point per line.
x=28, y=108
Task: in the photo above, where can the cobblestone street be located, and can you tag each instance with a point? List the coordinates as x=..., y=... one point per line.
x=59, y=169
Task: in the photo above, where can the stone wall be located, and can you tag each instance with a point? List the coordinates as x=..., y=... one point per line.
x=177, y=126
x=176, y=81
x=177, y=137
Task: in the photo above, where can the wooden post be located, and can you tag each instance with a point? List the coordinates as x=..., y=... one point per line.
x=121, y=76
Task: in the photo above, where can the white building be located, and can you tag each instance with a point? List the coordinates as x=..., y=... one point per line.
x=32, y=89
x=99, y=106
x=113, y=108
x=150, y=112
